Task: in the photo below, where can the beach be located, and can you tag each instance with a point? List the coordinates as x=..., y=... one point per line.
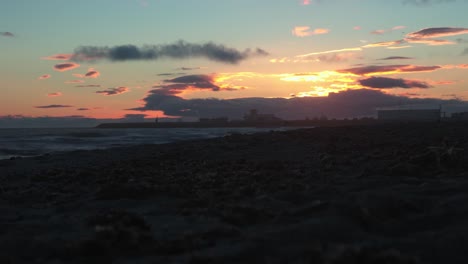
x=381, y=193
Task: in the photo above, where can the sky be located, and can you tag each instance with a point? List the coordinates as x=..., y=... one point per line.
x=295, y=58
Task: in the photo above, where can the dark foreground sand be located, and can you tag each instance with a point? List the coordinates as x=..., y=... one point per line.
x=368, y=194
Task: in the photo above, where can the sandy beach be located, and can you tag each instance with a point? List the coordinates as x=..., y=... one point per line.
x=387, y=193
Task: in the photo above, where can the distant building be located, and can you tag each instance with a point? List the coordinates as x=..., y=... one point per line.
x=460, y=116
x=217, y=120
x=409, y=114
x=254, y=116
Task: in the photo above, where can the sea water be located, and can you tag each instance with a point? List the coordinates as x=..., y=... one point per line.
x=25, y=142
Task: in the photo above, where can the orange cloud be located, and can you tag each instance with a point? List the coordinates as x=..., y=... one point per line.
x=304, y=31
x=75, y=81
x=54, y=94
x=58, y=57
x=328, y=51
x=384, y=44
x=66, y=66
x=430, y=42
x=92, y=73
x=378, y=32
x=45, y=76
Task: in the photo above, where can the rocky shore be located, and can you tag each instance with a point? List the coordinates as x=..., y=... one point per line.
x=388, y=193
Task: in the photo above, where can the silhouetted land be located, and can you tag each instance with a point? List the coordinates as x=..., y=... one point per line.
x=387, y=193
x=283, y=123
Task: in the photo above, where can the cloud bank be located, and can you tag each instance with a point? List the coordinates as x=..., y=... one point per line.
x=346, y=104
x=178, y=50
x=386, y=83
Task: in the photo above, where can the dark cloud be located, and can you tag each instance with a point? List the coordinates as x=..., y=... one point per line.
x=7, y=34
x=176, y=86
x=89, y=85
x=66, y=66
x=168, y=93
x=376, y=69
x=386, y=83
x=83, y=109
x=189, y=68
x=465, y=52
x=92, y=74
x=53, y=106
x=168, y=74
x=114, y=91
x=397, y=58
x=350, y=103
x=178, y=50
x=437, y=32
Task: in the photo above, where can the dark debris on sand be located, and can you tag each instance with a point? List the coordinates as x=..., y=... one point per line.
x=366, y=194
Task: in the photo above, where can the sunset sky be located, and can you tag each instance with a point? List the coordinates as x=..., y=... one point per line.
x=111, y=58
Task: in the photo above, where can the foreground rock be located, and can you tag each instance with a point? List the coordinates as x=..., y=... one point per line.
x=369, y=194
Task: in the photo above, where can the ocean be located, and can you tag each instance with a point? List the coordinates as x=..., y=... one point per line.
x=27, y=142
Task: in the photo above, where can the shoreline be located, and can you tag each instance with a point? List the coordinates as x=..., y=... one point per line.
x=395, y=193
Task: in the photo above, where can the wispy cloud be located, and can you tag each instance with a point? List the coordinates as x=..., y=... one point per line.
x=378, y=32
x=53, y=106
x=7, y=34
x=75, y=81
x=178, y=50
x=430, y=42
x=54, y=94
x=437, y=32
x=384, y=44
x=58, y=57
x=43, y=77
x=190, y=68
x=114, y=91
x=83, y=109
x=338, y=57
x=66, y=66
x=386, y=83
x=304, y=31
x=329, y=51
x=388, y=69
x=89, y=86
x=397, y=58
x=426, y=2
x=383, y=31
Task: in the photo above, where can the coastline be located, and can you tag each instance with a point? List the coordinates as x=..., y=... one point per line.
x=386, y=192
